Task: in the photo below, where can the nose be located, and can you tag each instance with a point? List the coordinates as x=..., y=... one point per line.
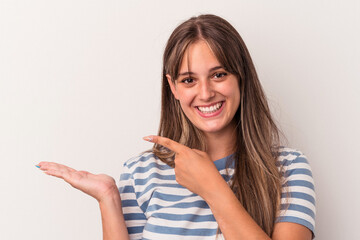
x=206, y=91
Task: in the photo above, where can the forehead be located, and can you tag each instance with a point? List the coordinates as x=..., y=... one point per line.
x=198, y=58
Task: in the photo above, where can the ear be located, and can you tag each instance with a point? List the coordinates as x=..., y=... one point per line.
x=172, y=86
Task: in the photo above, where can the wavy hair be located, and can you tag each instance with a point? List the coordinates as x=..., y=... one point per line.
x=256, y=181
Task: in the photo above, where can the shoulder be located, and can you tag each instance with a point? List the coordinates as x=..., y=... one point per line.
x=144, y=163
x=139, y=159
x=291, y=161
x=288, y=156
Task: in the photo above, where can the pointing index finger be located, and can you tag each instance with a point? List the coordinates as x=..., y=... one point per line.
x=166, y=142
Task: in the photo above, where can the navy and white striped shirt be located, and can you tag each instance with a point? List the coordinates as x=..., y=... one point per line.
x=155, y=206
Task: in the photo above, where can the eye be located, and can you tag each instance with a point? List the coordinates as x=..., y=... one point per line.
x=187, y=80
x=218, y=75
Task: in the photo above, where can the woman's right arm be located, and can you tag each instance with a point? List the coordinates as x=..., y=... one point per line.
x=100, y=186
x=112, y=218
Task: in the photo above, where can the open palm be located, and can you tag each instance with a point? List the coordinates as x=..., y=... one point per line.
x=96, y=185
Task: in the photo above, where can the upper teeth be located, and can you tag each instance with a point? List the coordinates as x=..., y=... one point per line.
x=210, y=109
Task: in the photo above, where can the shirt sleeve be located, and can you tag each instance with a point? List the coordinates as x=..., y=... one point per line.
x=135, y=218
x=298, y=192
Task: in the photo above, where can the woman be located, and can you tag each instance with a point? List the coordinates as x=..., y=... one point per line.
x=216, y=168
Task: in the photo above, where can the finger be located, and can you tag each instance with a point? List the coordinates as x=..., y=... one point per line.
x=198, y=151
x=57, y=173
x=51, y=165
x=166, y=142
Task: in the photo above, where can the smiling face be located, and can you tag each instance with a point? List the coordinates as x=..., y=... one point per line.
x=208, y=95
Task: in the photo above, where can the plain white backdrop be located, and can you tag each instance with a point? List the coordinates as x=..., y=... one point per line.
x=80, y=85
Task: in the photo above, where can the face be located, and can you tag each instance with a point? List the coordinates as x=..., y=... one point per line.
x=208, y=95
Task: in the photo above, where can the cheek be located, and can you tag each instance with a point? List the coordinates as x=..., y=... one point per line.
x=230, y=90
x=186, y=97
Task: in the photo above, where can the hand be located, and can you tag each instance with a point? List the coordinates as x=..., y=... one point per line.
x=98, y=186
x=193, y=168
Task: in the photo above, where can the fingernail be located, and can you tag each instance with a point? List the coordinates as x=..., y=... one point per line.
x=148, y=138
x=37, y=166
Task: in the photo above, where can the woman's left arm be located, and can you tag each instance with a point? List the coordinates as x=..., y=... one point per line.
x=230, y=214
x=202, y=177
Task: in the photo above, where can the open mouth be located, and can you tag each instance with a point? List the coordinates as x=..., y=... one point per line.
x=210, y=110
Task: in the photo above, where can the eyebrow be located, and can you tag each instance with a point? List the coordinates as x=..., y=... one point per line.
x=191, y=73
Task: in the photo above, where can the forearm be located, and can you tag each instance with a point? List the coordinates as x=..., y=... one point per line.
x=112, y=217
x=233, y=219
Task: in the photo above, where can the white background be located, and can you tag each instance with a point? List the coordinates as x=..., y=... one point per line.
x=80, y=85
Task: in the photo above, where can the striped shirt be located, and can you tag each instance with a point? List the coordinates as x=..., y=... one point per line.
x=155, y=206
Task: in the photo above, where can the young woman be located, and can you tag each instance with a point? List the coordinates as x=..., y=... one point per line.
x=216, y=169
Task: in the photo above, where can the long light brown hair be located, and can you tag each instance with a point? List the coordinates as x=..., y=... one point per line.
x=256, y=181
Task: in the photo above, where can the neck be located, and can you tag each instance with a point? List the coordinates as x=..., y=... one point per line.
x=221, y=144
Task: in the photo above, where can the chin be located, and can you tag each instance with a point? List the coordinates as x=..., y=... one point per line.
x=211, y=129
x=215, y=126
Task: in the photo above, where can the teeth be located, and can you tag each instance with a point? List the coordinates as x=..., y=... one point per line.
x=210, y=109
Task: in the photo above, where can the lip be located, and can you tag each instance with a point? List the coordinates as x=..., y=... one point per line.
x=209, y=115
x=211, y=104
